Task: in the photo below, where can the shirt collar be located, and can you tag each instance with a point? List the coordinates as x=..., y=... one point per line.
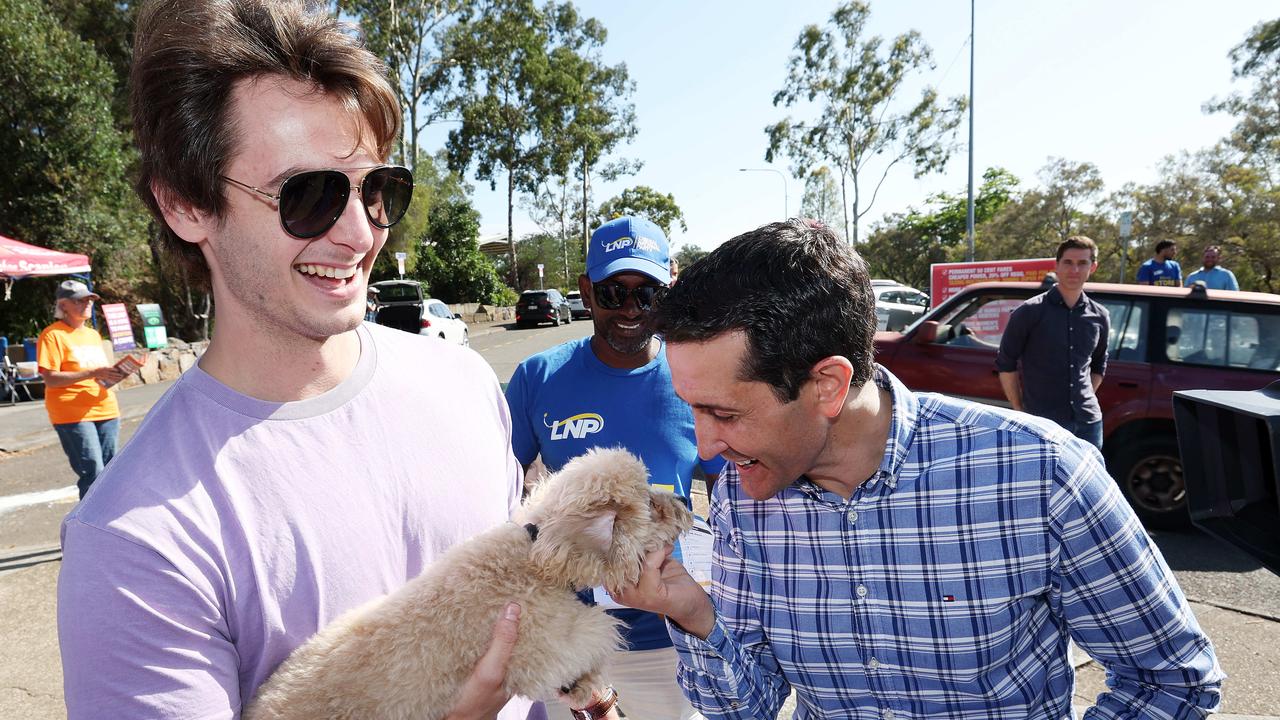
x=1055, y=295
x=903, y=422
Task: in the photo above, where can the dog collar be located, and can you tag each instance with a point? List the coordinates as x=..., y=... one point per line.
x=532, y=530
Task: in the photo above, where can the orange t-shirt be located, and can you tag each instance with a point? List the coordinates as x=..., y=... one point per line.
x=63, y=349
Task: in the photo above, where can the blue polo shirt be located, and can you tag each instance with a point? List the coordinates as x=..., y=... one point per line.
x=1216, y=278
x=564, y=401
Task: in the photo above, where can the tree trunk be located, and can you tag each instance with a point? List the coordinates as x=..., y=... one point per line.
x=511, y=238
x=564, y=227
x=586, y=230
x=844, y=205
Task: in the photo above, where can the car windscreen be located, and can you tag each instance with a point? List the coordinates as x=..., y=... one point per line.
x=392, y=293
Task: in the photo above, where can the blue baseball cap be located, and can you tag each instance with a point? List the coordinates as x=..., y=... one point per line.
x=629, y=244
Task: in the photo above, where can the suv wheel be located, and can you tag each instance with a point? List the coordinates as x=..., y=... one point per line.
x=1149, y=473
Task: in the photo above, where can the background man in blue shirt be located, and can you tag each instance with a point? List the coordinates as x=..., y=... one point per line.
x=1053, y=352
x=886, y=553
x=609, y=390
x=1161, y=269
x=1214, y=276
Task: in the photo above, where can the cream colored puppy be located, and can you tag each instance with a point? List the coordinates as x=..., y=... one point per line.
x=405, y=655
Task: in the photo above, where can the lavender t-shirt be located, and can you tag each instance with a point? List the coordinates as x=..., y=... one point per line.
x=229, y=530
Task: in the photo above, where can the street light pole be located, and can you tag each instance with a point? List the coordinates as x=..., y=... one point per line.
x=969, y=220
x=786, y=209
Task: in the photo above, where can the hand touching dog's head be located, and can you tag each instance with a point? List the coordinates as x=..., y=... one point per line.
x=597, y=518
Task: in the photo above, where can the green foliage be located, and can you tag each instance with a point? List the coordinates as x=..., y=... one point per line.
x=64, y=184
x=822, y=200
x=405, y=35
x=688, y=255
x=656, y=207
x=1261, y=47
x=512, y=80
x=547, y=249
x=860, y=123
x=504, y=297
x=904, y=246
x=451, y=265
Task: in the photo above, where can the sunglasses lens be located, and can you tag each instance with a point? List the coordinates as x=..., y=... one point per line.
x=386, y=193
x=311, y=202
x=645, y=296
x=612, y=296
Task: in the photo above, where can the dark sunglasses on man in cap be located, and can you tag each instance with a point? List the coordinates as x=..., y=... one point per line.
x=311, y=202
x=612, y=295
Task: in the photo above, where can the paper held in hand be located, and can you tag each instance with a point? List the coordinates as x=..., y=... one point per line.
x=127, y=366
x=692, y=549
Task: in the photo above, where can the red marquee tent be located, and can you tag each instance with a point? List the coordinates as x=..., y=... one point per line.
x=19, y=260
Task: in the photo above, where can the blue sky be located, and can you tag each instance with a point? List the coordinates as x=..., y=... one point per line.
x=1119, y=83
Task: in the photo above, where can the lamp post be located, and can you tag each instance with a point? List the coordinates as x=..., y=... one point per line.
x=786, y=211
x=969, y=206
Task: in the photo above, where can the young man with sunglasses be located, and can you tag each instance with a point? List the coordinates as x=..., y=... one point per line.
x=613, y=389
x=308, y=464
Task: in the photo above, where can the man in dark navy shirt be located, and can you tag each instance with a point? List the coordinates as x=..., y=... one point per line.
x=1054, y=350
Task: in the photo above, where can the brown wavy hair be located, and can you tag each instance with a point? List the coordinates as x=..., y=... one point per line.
x=188, y=56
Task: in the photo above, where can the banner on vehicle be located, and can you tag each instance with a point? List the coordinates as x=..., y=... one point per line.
x=947, y=279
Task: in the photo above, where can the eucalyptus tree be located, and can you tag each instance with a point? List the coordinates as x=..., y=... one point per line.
x=407, y=35
x=509, y=90
x=657, y=207
x=854, y=83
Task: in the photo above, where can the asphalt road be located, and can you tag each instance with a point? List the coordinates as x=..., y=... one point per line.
x=1236, y=600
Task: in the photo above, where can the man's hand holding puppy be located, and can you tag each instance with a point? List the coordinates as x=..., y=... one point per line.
x=666, y=587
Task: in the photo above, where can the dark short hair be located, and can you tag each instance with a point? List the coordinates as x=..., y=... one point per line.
x=188, y=56
x=1164, y=244
x=1078, y=242
x=798, y=292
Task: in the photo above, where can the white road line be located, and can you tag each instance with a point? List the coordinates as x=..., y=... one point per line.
x=10, y=503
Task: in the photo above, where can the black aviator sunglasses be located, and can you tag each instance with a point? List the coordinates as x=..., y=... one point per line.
x=311, y=202
x=612, y=296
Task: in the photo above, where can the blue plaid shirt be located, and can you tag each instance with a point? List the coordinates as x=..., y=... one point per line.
x=946, y=586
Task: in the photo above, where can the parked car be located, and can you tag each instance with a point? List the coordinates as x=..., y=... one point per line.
x=440, y=322
x=1162, y=339
x=897, y=306
x=401, y=304
x=538, y=306
x=576, y=307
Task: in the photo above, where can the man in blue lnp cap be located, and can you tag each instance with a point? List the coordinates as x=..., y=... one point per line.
x=614, y=389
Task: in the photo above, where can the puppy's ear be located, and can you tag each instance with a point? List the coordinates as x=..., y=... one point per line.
x=670, y=517
x=573, y=547
x=598, y=533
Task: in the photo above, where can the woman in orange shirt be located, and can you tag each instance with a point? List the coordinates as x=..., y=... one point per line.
x=72, y=362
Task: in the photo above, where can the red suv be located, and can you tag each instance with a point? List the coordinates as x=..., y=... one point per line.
x=1162, y=339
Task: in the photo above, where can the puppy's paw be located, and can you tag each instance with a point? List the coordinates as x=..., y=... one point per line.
x=579, y=692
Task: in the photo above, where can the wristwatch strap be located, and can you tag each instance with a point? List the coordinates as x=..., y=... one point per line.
x=599, y=708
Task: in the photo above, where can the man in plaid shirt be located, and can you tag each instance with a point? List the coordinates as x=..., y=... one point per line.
x=888, y=554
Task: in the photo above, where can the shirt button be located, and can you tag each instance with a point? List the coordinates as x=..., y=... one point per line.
x=888, y=714
x=853, y=516
x=862, y=591
x=873, y=664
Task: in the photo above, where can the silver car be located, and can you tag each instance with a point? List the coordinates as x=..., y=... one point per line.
x=576, y=307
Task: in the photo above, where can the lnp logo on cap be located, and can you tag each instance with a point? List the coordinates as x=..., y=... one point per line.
x=620, y=243
x=577, y=426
